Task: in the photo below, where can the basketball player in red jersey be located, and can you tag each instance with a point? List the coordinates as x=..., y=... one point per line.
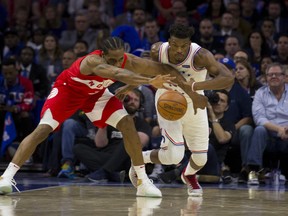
x=84, y=86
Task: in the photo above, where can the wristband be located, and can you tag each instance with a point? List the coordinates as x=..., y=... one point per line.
x=192, y=86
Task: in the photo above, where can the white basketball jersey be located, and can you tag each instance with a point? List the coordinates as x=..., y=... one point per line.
x=185, y=68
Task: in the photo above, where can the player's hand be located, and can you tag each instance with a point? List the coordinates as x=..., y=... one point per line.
x=199, y=101
x=122, y=91
x=160, y=80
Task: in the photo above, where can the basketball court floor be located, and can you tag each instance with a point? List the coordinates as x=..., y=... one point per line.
x=53, y=196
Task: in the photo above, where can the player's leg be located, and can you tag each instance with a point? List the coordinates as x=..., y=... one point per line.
x=196, y=134
x=111, y=111
x=28, y=145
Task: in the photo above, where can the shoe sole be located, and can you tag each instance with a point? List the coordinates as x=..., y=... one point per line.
x=5, y=190
x=200, y=194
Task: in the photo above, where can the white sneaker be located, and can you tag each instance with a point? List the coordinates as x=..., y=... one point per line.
x=193, y=187
x=6, y=186
x=146, y=188
x=133, y=176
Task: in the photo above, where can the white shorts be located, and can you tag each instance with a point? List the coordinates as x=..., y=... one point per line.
x=194, y=128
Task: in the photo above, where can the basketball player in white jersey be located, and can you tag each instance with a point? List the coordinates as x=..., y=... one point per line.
x=193, y=63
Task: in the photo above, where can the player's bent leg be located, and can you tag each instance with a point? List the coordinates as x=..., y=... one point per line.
x=134, y=149
x=188, y=176
x=24, y=151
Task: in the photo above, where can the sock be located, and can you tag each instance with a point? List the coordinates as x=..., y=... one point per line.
x=189, y=170
x=11, y=171
x=146, y=156
x=141, y=172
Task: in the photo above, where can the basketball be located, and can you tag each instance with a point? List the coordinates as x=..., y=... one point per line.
x=172, y=105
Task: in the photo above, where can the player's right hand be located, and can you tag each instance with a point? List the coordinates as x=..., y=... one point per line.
x=160, y=80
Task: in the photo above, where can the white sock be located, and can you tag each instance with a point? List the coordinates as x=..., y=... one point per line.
x=146, y=156
x=141, y=172
x=189, y=170
x=11, y=171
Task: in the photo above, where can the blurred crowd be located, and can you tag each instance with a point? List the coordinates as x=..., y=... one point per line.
x=41, y=38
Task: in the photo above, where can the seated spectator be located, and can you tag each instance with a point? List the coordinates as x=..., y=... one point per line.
x=241, y=55
x=80, y=48
x=52, y=22
x=107, y=156
x=16, y=94
x=68, y=58
x=81, y=32
x=50, y=57
x=12, y=44
x=271, y=119
x=78, y=126
x=240, y=112
x=245, y=75
x=281, y=51
x=265, y=61
x=36, y=40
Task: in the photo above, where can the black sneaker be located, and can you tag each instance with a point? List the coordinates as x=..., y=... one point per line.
x=243, y=177
x=226, y=177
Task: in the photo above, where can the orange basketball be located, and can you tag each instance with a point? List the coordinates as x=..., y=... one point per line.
x=172, y=105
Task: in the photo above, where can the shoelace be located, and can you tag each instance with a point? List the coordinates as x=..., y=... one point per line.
x=13, y=182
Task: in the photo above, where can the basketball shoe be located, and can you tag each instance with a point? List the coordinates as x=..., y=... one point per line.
x=6, y=185
x=145, y=187
x=193, y=187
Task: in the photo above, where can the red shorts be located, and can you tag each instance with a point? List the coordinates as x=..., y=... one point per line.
x=63, y=102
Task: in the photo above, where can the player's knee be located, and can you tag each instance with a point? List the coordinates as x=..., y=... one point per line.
x=125, y=124
x=172, y=155
x=199, y=159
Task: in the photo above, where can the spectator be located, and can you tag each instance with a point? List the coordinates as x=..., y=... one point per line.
x=12, y=44
x=50, y=56
x=68, y=58
x=265, y=61
x=16, y=93
x=78, y=126
x=225, y=29
x=281, y=51
x=52, y=22
x=271, y=119
x=34, y=72
x=37, y=39
x=267, y=27
x=241, y=55
x=81, y=32
x=256, y=48
x=231, y=46
x=80, y=47
x=152, y=35
x=240, y=113
x=245, y=76
x=206, y=38
x=108, y=155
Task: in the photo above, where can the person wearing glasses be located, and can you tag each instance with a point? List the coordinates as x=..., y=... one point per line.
x=270, y=115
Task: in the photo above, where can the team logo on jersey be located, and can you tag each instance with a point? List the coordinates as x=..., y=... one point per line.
x=93, y=84
x=186, y=66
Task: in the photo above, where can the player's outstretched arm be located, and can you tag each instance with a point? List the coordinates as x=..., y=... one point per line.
x=94, y=65
x=222, y=77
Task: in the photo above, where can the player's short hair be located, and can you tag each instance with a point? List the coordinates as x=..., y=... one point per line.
x=112, y=43
x=181, y=31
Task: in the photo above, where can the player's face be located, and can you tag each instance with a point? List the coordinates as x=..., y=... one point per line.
x=114, y=57
x=179, y=48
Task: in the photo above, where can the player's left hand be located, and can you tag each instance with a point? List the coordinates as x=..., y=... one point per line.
x=160, y=80
x=121, y=92
x=199, y=101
